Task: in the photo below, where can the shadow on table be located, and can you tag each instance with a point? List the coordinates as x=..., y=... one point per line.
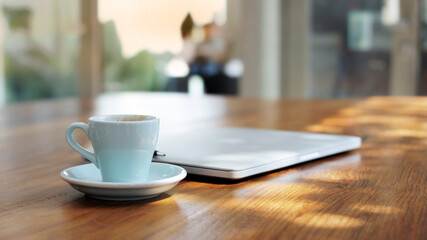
x=217, y=180
x=87, y=200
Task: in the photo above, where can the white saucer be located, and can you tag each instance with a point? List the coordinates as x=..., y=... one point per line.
x=87, y=179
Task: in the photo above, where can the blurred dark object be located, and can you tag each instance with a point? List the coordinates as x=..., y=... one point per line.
x=17, y=18
x=353, y=46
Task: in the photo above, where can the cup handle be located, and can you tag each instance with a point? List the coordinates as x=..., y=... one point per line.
x=72, y=141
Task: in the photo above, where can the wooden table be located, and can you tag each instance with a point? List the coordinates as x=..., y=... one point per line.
x=377, y=192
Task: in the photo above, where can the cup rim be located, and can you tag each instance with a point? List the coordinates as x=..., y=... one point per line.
x=101, y=118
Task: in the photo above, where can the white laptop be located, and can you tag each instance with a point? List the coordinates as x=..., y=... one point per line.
x=236, y=153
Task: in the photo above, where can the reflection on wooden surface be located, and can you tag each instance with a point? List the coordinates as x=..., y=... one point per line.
x=377, y=192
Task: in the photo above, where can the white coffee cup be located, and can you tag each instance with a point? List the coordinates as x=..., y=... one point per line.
x=123, y=145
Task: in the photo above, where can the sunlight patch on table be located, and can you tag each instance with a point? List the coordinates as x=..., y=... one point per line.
x=328, y=220
x=377, y=209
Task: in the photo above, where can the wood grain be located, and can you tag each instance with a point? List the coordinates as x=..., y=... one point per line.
x=377, y=192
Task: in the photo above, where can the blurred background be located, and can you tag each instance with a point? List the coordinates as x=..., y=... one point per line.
x=258, y=48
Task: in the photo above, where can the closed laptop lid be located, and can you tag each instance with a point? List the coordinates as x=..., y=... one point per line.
x=238, y=149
